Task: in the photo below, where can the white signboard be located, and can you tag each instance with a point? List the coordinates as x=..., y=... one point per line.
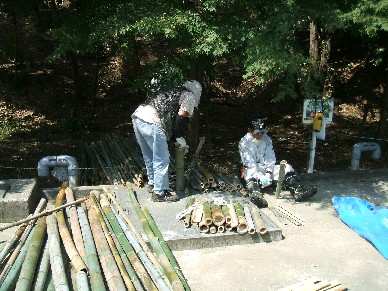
x=310, y=106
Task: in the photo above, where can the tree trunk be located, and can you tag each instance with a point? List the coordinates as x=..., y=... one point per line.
x=314, y=44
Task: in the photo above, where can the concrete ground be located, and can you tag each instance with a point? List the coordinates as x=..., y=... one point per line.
x=324, y=248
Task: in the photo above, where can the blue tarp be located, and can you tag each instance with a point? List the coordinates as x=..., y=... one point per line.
x=368, y=220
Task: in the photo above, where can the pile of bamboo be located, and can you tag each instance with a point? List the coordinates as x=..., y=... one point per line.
x=210, y=216
x=88, y=244
x=118, y=160
x=201, y=179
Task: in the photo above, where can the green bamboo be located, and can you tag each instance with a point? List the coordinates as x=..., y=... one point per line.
x=217, y=215
x=27, y=272
x=116, y=254
x=166, y=248
x=141, y=247
x=49, y=285
x=11, y=243
x=91, y=258
x=242, y=227
x=164, y=261
x=13, y=273
x=158, y=277
x=43, y=270
x=58, y=272
x=226, y=213
x=126, y=246
x=108, y=263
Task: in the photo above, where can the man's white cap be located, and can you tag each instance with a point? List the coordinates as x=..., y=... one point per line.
x=194, y=87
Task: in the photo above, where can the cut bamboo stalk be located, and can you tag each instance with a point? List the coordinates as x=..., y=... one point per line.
x=138, y=237
x=109, y=267
x=226, y=213
x=203, y=228
x=91, y=258
x=74, y=223
x=242, y=227
x=166, y=249
x=207, y=214
x=115, y=252
x=196, y=216
x=56, y=260
x=44, y=213
x=82, y=281
x=43, y=270
x=11, y=277
x=187, y=218
x=233, y=216
x=248, y=217
x=203, y=225
x=30, y=263
x=75, y=259
x=221, y=228
x=258, y=220
x=213, y=229
x=49, y=283
x=228, y=227
x=15, y=253
x=157, y=276
x=155, y=243
x=129, y=251
x=217, y=216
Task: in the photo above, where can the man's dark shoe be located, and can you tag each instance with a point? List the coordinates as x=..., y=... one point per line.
x=258, y=199
x=165, y=196
x=158, y=197
x=302, y=193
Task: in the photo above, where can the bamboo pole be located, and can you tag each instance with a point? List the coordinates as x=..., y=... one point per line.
x=129, y=251
x=44, y=213
x=11, y=242
x=27, y=272
x=158, y=277
x=233, y=216
x=56, y=260
x=25, y=235
x=196, y=215
x=166, y=249
x=138, y=237
x=43, y=270
x=217, y=216
x=74, y=223
x=258, y=220
x=170, y=272
x=207, y=213
x=11, y=276
x=248, y=217
x=221, y=228
x=226, y=213
x=228, y=227
x=125, y=274
x=49, y=283
x=187, y=218
x=67, y=240
x=108, y=264
x=91, y=258
x=242, y=227
x=213, y=229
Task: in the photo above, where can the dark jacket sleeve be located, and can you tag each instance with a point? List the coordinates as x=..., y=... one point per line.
x=181, y=126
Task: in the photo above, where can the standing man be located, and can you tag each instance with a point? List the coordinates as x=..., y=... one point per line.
x=259, y=165
x=164, y=116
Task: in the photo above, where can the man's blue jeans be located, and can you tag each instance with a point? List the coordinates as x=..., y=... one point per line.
x=153, y=144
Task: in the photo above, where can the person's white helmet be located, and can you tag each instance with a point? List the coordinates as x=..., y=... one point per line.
x=194, y=87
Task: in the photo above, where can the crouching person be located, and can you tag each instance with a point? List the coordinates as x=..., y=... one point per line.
x=259, y=166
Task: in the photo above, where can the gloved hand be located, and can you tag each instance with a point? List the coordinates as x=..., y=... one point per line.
x=182, y=143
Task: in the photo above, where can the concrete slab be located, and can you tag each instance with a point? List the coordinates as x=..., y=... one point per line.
x=180, y=238
x=323, y=248
x=19, y=200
